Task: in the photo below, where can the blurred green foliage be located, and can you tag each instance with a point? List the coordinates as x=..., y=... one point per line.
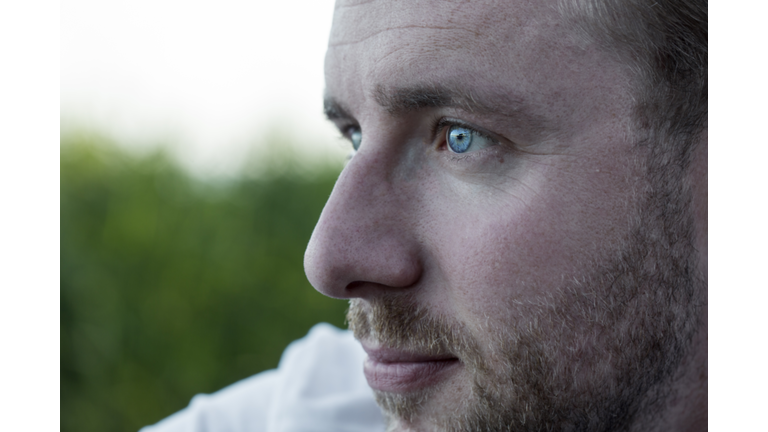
x=171, y=286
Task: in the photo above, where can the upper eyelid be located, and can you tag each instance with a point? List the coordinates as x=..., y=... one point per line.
x=348, y=130
x=447, y=122
x=345, y=126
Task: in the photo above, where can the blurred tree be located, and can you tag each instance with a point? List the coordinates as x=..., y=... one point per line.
x=171, y=286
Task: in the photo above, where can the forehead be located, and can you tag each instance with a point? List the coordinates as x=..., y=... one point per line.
x=484, y=44
x=491, y=51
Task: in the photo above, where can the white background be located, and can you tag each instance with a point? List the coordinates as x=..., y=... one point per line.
x=210, y=79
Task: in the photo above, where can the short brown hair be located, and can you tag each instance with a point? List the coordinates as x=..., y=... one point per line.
x=665, y=44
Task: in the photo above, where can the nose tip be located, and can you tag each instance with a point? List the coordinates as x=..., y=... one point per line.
x=349, y=266
x=362, y=244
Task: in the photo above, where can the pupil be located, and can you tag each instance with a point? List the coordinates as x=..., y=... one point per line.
x=459, y=139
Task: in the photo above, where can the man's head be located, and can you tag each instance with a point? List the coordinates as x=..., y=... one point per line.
x=522, y=230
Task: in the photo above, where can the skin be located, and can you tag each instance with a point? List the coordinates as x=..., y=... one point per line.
x=554, y=190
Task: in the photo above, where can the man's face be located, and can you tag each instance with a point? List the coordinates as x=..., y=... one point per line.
x=488, y=228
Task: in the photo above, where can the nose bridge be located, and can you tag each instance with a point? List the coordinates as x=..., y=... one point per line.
x=363, y=237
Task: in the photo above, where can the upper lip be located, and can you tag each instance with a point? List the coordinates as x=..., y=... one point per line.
x=382, y=354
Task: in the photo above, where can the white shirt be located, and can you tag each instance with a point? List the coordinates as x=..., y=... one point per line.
x=318, y=386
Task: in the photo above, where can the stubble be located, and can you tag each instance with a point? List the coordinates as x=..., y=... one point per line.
x=598, y=353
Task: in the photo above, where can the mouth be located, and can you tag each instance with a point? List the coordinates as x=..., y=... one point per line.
x=396, y=371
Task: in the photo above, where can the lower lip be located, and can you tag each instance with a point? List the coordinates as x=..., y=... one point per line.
x=404, y=377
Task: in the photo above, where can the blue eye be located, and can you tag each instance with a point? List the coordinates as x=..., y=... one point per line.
x=356, y=137
x=462, y=139
x=459, y=139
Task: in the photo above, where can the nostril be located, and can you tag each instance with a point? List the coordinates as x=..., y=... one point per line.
x=355, y=285
x=369, y=289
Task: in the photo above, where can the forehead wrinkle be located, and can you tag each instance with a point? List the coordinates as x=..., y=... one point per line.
x=334, y=44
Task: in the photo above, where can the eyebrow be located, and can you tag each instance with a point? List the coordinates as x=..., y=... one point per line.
x=402, y=100
x=398, y=101
x=335, y=110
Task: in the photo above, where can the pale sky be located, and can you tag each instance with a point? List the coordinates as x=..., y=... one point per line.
x=210, y=77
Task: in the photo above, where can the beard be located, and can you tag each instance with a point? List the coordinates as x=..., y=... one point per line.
x=597, y=353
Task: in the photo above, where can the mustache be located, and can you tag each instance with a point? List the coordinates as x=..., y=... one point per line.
x=396, y=321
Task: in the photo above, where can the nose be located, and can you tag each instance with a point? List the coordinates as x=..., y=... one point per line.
x=364, y=242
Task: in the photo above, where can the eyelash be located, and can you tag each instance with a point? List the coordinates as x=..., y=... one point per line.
x=439, y=130
x=346, y=133
x=441, y=127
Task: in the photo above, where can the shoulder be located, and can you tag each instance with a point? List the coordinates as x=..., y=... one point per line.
x=319, y=385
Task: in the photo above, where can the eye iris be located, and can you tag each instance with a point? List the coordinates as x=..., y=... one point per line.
x=356, y=137
x=459, y=139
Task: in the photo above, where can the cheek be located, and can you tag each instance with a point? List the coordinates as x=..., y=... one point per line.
x=496, y=246
x=495, y=253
